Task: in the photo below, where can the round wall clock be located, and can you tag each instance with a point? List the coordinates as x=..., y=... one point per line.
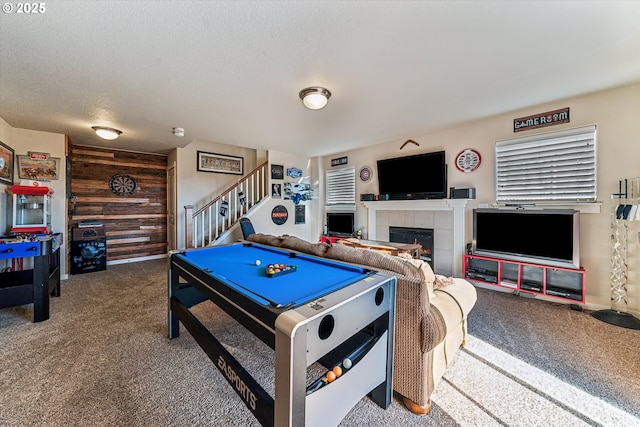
x=122, y=185
x=468, y=160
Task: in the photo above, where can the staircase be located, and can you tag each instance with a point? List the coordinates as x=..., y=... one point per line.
x=205, y=225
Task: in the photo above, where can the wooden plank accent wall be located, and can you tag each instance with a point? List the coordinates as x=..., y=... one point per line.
x=136, y=225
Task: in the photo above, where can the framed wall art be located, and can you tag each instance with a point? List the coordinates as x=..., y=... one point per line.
x=277, y=172
x=6, y=163
x=220, y=163
x=38, y=167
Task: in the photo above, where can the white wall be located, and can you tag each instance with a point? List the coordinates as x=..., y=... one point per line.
x=616, y=112
x=261, y=219
x=23, y=141
x=197, y=188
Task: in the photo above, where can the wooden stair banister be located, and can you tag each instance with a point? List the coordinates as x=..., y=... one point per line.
x=206, y=224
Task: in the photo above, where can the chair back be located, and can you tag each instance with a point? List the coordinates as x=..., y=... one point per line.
x=247, y=227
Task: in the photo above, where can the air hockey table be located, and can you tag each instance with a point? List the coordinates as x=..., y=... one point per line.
x=308, y=310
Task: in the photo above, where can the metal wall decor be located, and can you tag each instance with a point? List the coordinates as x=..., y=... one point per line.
x=294, y=172
x=279, y=215
x=468, y=160
x=339, y=161
x=366, y=174
x=535, y=121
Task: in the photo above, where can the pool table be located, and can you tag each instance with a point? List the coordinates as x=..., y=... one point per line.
x=318, y=311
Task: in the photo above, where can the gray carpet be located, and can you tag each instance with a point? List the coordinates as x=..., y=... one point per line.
x=571, y=345
x=103, y=358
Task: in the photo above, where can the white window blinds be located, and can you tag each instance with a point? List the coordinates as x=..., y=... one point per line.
x=341, y=186
x=551, y=167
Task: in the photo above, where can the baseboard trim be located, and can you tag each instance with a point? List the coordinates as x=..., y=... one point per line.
x=142, y=258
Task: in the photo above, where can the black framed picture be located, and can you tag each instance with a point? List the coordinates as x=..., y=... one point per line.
x=276, y=191
x=300, y=214
x=277, y=172
x=7, y=160
x=220, y=163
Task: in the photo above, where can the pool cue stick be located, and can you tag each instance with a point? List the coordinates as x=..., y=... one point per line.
x=620, y=207
x=637, y=205
x=627, y=201
x=635, y=193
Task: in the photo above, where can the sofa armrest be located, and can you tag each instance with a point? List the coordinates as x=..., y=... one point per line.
x=461, y=291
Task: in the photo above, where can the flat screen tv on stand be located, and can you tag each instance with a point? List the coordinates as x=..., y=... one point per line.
x=422, y=176
x=546, y=236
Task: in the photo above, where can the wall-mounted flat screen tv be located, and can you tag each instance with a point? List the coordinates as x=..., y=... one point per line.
x=546, y=236
x=422, y=176
x=340, y=224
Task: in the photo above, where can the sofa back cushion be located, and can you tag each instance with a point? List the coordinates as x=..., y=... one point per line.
x=265, y=239
x=374, y=259
x=297, y=244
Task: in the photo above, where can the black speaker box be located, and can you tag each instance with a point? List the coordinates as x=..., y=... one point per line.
x=462, y=193
x=367, y=197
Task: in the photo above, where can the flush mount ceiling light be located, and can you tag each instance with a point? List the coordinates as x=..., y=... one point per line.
x=106, y=133
x=179, y=132
x=315, y=98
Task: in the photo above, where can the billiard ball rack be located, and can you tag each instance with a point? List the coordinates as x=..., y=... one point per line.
x=276, y=270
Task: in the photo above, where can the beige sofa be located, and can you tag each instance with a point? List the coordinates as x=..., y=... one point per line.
x=431, y=314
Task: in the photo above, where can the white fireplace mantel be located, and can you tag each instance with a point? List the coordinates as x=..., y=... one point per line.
x=457, y=207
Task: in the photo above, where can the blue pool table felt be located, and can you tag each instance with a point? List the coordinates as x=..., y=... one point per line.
x=235, y=266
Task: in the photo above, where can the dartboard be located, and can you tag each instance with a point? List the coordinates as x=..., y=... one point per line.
x=468, y=160
x=122, y=185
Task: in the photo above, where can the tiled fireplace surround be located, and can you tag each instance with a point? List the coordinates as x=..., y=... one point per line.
x=445, y=216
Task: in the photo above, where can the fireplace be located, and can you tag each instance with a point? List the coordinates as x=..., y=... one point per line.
x=446, y=217
x=423, y=236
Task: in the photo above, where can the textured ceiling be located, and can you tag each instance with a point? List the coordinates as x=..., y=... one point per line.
x=230, y=72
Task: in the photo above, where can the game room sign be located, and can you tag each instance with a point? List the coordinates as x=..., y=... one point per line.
x=541, y=120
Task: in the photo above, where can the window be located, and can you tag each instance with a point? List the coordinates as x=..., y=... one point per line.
x=552, y=167
x=341, y=186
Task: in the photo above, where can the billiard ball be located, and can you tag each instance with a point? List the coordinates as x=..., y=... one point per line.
x=337, y=370
x=257, y=262
x=331, y=377
x=346, y=363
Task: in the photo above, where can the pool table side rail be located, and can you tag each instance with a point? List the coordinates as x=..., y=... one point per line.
x=257, y=318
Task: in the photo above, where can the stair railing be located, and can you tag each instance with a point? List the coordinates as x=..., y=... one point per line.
x=205, y=225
